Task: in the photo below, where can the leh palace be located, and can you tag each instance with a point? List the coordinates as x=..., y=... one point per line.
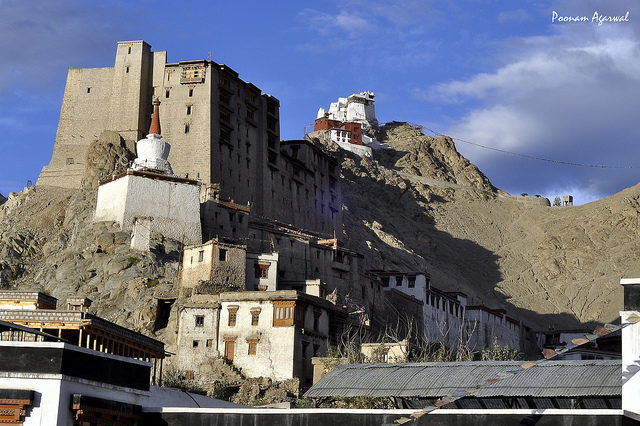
x=267, y=284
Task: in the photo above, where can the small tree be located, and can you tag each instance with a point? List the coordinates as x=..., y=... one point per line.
x=557, y=202
x=499, y=353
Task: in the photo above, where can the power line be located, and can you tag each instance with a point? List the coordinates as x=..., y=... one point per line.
x=533, y=157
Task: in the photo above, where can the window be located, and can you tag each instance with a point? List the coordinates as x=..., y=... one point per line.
x=70, y=160
x=126, y=70
x=255, y=316
x=253, y=346
x=201, y=256
x=398, y=280
x=188, y=109
x=209, y=343
x=199, y=320
x=88, y=89
x=411, y=281
x=196, y=343
x=233, y=316
x=316, y=319
x=166, y=93
x=262, y=270
x=186, y=128
x=192, y=260
x=222, y=255
x=129, y=51
x=190, y=92
x=283, y=313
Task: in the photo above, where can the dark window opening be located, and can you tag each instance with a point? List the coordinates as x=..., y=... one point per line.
x=126, y=70
x=163, y=311
x=199, y=320
x=189, y=110
x=190, y=92
x=222, y=255
x=186, y=128
x=88, y=89
x=411, y=282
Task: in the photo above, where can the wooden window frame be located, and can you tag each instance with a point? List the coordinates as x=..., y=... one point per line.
x=252, y=346
x=233, y=316
x=283, y=313
x=255, y=316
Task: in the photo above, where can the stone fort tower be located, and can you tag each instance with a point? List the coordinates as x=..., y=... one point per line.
x=223, y=130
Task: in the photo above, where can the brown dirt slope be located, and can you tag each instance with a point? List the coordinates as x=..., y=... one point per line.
x=427, y=207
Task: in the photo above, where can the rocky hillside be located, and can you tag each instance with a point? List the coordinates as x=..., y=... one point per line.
x=425, y=206
x=48, y=242
x=420, y=205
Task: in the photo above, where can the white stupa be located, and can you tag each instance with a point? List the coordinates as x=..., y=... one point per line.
x=149, y=198
x=153, y=151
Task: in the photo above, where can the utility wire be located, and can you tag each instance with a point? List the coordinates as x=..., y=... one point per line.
x=533, y=157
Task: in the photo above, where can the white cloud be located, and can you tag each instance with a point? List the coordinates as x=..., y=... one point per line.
x=336, y=25
x=570, y=99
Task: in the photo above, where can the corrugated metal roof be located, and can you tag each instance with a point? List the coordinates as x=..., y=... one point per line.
x=436, y=379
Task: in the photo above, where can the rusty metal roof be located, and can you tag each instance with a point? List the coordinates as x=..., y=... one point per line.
x=436, y=379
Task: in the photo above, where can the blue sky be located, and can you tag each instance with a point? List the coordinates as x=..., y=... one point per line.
x=497, y=73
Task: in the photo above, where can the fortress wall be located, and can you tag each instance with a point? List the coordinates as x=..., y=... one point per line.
x=190, y=152
x=87, y=95
x=130, y=106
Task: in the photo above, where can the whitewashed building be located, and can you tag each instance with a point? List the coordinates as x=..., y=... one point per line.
x=447, y=316
x=263, y=333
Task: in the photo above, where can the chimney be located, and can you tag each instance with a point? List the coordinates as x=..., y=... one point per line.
x=631, y=348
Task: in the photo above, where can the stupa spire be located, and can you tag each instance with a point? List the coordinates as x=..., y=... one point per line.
x=155, y=119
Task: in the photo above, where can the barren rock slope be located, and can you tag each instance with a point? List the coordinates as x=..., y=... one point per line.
x=427, y=207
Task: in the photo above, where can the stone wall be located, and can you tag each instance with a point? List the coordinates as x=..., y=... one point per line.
x=197, y=336
x=175, y=206
x=221, y=264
